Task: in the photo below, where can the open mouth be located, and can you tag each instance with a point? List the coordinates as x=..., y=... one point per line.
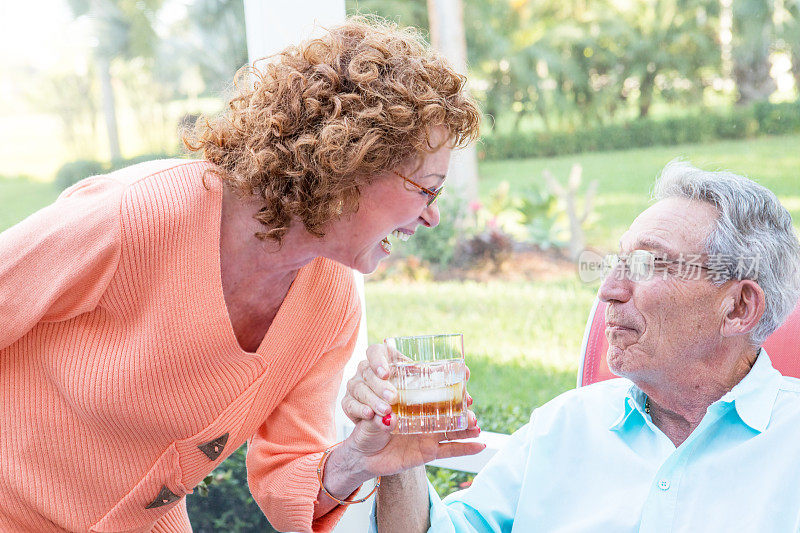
x=400, y=233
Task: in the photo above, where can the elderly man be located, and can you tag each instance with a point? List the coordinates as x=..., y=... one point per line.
x=701, y=434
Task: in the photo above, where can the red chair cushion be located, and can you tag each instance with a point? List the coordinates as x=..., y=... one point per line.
x=783, y=347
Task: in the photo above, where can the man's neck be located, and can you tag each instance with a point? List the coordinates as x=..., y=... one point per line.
x=678, y=405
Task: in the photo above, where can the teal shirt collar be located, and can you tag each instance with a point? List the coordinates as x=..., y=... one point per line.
x=633, y=403
x=753, y=397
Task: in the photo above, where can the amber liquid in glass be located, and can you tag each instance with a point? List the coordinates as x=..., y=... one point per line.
x=431, y=396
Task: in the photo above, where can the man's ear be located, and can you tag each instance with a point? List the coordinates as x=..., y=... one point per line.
x=742, y=307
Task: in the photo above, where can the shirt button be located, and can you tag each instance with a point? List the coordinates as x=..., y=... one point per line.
x=213, y=448
x=164, y=497
x=663, y=484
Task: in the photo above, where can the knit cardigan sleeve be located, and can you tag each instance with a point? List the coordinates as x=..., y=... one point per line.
x=283, y=454
x=56, y=264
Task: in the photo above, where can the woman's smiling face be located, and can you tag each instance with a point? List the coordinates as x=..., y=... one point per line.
x=388, y=204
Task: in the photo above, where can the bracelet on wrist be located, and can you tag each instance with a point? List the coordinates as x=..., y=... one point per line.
x=321, y=469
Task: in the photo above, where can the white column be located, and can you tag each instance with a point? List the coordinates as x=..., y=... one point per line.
x=356, y=518
x=271, y=26
x=447, y=34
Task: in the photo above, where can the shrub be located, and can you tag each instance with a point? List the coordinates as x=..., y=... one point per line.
x=740, y=124
x=74, y=171
x=446, y=481
x=141, y=158
x=778, y=119
x=498, y=418
x=479, y=235
x=436, y=245
x=763, y=118
x=491, y=246
x=223, y=501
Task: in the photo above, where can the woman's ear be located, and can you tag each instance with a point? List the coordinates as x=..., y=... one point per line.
x=743, y=307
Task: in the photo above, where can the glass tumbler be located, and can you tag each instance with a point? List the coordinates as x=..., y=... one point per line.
x=430, y=375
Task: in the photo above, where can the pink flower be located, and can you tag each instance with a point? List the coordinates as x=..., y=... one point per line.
x=475, y=206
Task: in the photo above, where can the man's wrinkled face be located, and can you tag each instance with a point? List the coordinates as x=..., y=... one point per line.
x=660, y=324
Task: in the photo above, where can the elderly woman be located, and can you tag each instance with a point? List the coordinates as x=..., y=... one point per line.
x=156, y=318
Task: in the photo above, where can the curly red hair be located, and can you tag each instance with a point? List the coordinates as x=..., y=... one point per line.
x=321, y=119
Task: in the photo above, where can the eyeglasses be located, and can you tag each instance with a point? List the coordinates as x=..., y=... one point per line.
x=433, y=194
x=641, y=265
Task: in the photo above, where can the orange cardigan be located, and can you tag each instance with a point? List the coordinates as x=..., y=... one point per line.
x=122, y=384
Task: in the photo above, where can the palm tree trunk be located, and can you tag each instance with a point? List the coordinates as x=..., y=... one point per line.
x=753, y=27
x=752, y=78
x=109, y=107
x=646, y=94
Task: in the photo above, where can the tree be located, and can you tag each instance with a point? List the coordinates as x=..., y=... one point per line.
x=504, y=53
x=72, y=97
x=790, y=35
x=753, y=31
x=122, y=28
x=588, y=68
x=216, y=29
x=667, y=44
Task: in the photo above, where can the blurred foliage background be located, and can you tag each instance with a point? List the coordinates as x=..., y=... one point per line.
x=127, y=73
x=616, y=87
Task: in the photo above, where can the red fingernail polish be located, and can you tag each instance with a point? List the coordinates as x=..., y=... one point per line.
x=387, y=419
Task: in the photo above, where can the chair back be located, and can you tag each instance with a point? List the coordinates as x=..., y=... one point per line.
x=783, y=347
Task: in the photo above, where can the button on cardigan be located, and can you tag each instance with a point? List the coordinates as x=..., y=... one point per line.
x=122, y=384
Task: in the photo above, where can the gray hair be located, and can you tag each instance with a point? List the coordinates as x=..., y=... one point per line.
x=751, y=224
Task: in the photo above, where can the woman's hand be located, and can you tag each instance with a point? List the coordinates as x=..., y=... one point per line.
x=369, y=392
x=368, y=404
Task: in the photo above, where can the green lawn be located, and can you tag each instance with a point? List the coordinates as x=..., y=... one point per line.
x=503, y=321
x=522, y=340
x=19, y=197
x=625, y=177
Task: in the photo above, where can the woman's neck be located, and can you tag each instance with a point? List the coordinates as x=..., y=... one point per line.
x=245, y=256
x=256, y=274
